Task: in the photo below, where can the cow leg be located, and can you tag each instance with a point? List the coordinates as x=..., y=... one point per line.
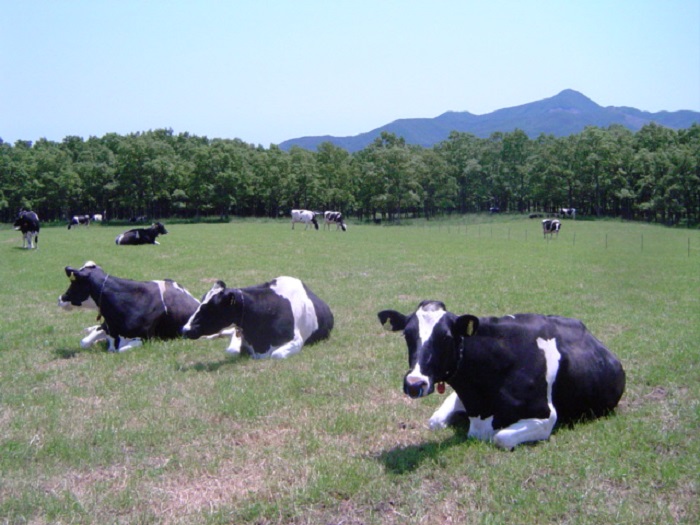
x=290, y=348
x=525, y=430
x=234, y=347
x=95, y=334
x=127, y=344
x=441, y=417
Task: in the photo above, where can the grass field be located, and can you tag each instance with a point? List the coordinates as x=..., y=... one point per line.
x=177, y=432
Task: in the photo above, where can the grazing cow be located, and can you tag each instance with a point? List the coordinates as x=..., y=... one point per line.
x=131, y=310
x=27, y=222
x=568, y=212
x=78, y=220
x=550, y=227
x=514, y=377
x=142, y=235
x=334, y=217
x=305, y=216
x=274, y=319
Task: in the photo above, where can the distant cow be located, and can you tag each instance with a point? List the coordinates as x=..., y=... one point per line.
x=78, y=220
x=305, y=216
x=550, y=227
x=274, y=319
x=142, y=235
x=27, y=222
x=131, y=310
x=334, y=217
x=99, y=217
x=514, y=377
x=568, y=212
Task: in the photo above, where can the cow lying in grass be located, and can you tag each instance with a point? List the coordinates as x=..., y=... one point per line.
x=514, y=377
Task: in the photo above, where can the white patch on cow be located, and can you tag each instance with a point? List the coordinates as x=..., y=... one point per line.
x=481, y=428
x=427, y=319
x=119, y=238
x=161, y=290
x=95, y=334
x=305, y=321
x=126, y=343
x=234, y=347
x=87, y=304
x=441, y=417
x=535, y=429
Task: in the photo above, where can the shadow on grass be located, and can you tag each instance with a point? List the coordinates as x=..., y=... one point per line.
x=405, y=459
x=211, y=366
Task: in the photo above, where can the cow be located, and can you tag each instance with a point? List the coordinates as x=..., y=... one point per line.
x=28, y=224
x=274, y=319
x=514, y=377
x=131, y=310
x=568, y=212
x=334, y=217
x=78, y=220
x=142, y=235
x=305, y=216
x=550, y=227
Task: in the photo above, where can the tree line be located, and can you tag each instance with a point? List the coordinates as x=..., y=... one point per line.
x=652, y=174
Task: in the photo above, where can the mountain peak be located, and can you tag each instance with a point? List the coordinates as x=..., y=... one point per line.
x=566, y=113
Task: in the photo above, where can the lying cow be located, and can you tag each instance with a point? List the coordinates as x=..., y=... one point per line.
x=514, y=377
x=305, y=216
x=131, y=310
x=275, y=319
x=27, y=223
x=79, y=220
x=142, y=235
x=550, y=227
x=334, y=217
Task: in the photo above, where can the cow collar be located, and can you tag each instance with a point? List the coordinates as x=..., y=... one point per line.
x=451, y=375
x=99, y=298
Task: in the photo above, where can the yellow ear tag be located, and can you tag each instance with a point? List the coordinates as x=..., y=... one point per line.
x=470, y=328
x=72, y=277
x=387, y=325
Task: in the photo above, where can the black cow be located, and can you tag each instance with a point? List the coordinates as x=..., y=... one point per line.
x=334, y=217
x=79, y=220
x=550, y=227
x=142, y=235
x=514, y=377
x=28, y=223
x=131, y=310
x=275, y=319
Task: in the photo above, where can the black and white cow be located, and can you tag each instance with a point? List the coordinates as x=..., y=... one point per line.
x=79, y=220
x=334, y=217
x=514, y=377
x=274, y=319
x=131, y=310
x=550, y=227
x=305, y=216
x=142, y=235
x=568, y=212
x=28, y=224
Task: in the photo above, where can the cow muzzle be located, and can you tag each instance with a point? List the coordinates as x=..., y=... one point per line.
x=415, y=387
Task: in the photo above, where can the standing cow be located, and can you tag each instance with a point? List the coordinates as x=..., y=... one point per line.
x=142, y=235
x=78, y=220
x=334, y=217
x=514, y=377
x=274, y=319
x=27, y=223
x=131, y=310
x=305, y=216
x=550, y=227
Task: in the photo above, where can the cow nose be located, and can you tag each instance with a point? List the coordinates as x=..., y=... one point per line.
x=415, y=387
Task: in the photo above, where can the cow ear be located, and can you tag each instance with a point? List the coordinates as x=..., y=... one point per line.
x=466, y=325
x=70, y=273
x=392, y=320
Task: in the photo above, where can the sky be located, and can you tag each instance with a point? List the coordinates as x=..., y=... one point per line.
x=265, y=71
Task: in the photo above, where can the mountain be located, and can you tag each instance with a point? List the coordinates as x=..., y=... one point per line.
x=567, y=113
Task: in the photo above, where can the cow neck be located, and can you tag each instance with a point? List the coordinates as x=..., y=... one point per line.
x=240, y=325
x=451, y=375
x=99, y=298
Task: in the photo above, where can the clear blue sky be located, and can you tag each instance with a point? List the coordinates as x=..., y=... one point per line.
x=266, y=71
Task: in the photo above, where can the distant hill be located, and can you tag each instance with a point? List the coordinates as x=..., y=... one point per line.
x=567, y=113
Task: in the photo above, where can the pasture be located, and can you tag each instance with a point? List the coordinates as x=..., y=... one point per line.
x=176, y=432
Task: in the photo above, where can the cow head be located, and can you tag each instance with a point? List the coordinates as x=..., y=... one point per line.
x=159, y=228
x=434, y=339
x=78, y=293
x=215, y=312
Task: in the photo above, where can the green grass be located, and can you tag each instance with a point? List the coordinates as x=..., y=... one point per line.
x=177, y=432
